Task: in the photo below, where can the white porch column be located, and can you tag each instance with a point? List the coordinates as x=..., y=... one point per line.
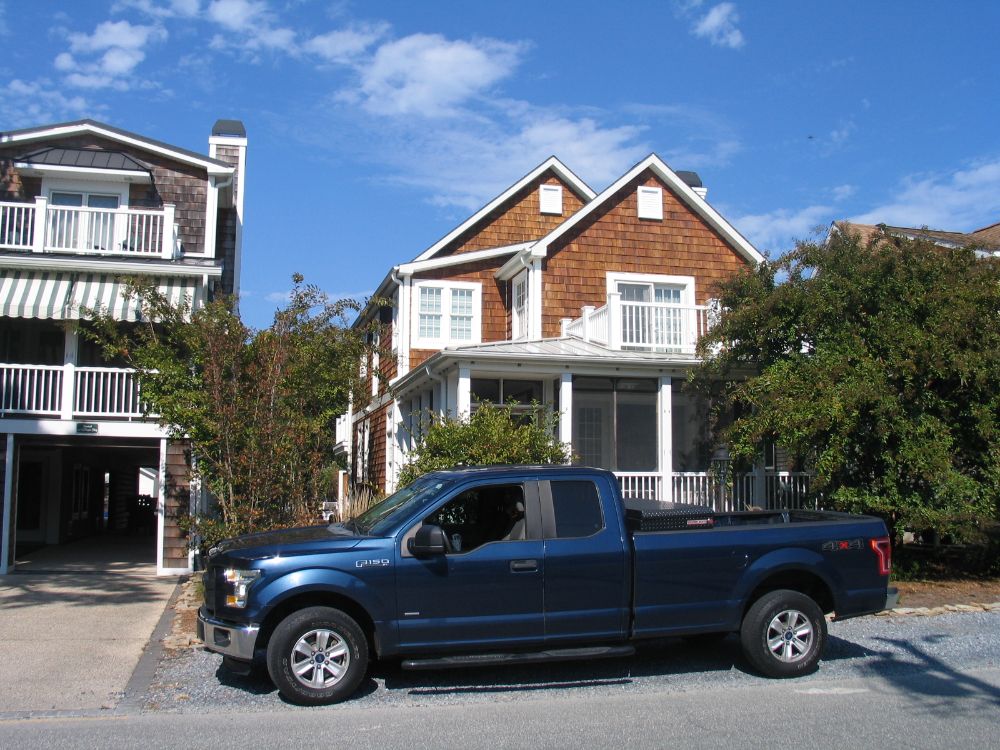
x=71, y=344
x=403, y=322
x=535, y=299
x=167, y=247
x=463, y=396
x=615, y=320
x=8, y=500
x=161, y=504
x=666, y=441
x=40, y=225
x=566, y=408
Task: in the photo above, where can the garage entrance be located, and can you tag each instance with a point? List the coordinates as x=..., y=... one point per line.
x=82, y=503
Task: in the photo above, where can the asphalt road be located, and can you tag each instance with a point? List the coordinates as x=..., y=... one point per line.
x=939, y=709
x=902, y=682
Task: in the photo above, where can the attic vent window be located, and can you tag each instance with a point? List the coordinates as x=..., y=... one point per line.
x=550, y=199
x=650, y=202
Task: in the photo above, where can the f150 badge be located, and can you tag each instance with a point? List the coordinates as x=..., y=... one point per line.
x=383, y=563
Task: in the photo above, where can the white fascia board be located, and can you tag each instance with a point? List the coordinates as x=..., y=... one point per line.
x=515, y=265
x=76, y=129
x=91, y=173
x=659, y=167
x=105, y=265
x=460, y=259
x=68, y=427
x=578, y=185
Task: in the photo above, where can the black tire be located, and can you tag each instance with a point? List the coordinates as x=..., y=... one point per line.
x=783, y=634
x=295, y=665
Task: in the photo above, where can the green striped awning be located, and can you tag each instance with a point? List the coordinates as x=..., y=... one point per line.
x=67, y=296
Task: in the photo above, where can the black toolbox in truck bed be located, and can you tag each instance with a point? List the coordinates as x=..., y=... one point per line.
x=653, y=515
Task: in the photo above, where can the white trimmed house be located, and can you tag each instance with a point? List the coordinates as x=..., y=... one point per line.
x=589, y=304
x=83, y=204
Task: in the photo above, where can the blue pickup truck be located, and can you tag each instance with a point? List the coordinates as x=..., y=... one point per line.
x=516, y=564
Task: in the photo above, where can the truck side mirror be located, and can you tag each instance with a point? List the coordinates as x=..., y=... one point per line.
x=430, y=540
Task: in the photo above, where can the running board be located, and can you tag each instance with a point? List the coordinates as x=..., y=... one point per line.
x=533, y=657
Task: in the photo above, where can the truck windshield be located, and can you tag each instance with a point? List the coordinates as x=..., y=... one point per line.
x=381, y=517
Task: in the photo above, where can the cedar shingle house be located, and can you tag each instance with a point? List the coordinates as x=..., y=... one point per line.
x=589, y=304
x=83, y=204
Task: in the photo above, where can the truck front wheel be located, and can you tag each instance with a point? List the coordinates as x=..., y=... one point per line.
x=783, y=634
x=317, y=655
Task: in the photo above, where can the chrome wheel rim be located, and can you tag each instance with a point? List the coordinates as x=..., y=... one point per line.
x=790, y=636
x=320, y=659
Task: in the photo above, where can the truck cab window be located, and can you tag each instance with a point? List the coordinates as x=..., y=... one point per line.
x=491, y=513
x=577, y=508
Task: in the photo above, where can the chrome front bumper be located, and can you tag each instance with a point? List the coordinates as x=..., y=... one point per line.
x=225, y=638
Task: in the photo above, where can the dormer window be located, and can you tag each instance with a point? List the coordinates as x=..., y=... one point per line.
x=650, y=203
x=550, y=199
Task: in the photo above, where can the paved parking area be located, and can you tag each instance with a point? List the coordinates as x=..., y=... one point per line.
x=73, y=625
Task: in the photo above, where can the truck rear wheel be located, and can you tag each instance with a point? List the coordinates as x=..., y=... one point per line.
x=783, y=634
x=317, y=655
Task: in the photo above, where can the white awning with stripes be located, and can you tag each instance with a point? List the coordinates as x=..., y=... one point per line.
x=68, y=296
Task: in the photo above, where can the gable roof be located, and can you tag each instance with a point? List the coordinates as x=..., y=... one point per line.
x=679, y=186
x=552, y=163
x=77, y=127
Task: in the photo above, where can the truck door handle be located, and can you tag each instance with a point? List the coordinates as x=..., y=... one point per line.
x=523, y=566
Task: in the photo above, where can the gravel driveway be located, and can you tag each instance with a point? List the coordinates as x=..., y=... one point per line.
x=941, y=646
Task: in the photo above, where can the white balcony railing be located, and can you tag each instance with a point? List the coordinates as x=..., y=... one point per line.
x=767, y=490
x=133, y=232
x=69, y=392
x=641, y=326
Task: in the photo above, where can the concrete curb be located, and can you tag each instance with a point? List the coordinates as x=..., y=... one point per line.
x=145, y=669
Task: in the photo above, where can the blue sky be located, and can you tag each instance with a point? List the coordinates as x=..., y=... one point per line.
x=375, y=128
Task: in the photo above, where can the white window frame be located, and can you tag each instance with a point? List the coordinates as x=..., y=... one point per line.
x=687, y=283
x=520, y=320
x=445, y=339
x=85, y=189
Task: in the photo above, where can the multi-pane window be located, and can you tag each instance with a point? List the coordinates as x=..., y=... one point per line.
x=446, y=313
x=430, y=312
x=461, y=314
x=519, y=307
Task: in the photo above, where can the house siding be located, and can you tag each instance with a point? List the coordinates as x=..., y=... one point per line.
x=613, y=238
x=518, y=219
x=177, y=501
x=368, y=459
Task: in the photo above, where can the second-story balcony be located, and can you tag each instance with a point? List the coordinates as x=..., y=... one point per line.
x=69, y=392
x=642, y=326
x=41, y=227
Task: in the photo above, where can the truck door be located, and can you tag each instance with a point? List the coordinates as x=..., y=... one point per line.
x=487, y=590
x=586, y=572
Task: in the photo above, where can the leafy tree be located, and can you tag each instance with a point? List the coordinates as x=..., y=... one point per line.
x=259, y=407
x=878, y=362
x=491, y=435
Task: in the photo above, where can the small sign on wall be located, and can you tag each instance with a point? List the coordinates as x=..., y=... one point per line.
x=86, y=428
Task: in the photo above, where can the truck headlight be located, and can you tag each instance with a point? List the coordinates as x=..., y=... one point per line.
x=240, y=580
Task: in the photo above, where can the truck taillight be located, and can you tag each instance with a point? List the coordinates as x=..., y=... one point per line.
x=883, y=550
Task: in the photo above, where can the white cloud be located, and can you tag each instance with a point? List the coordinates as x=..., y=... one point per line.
x=777, y=230
x=344, y=46
x=430, y=76
x=237, y=15
x=719, y=26
x=843, y=192
x=965, y=199
x=121, y=34
x=41, y=101
x=843, y=131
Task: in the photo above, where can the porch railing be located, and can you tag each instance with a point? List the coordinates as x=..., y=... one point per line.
x=46, y=391
x=641, y=326
x=768, y=490
x=40, y=227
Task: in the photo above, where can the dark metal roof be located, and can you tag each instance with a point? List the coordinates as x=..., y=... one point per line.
x=84, y=157
x=229, y=127
x=40, y=130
